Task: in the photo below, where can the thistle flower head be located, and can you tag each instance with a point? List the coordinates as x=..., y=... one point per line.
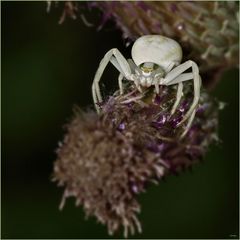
x=106, y=160
x=208, y=31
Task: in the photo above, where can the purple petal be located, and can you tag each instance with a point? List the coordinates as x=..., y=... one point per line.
x=121, y=126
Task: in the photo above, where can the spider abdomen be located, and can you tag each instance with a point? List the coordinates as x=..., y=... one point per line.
x=156, y=49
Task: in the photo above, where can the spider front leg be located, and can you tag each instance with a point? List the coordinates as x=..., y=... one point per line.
x=134, y=69
x=175, y=76
x=117, y=59
x=135, y=77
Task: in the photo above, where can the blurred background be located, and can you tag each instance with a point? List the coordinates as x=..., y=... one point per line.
x=48, y=68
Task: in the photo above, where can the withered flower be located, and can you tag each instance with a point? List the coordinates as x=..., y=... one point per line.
x=106, y=160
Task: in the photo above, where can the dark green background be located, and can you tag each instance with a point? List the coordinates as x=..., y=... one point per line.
x=46, y=69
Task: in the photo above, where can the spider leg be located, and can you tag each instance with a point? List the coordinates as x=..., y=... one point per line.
x=120, y=84
x=175, y=76
x=178, y=80
x=197, y=86
x=156, y=84
x=117, y=59
x=137, y=83
x=157, y=76
x=135, y=69
x=178, y=98
x=189, y=123
x=132, y=66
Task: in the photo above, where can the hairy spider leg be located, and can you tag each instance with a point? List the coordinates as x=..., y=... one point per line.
x=118, y=60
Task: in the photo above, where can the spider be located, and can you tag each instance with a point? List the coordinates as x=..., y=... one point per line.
x=155, y=61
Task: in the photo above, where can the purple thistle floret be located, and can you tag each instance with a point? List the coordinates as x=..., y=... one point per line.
x=107, y=160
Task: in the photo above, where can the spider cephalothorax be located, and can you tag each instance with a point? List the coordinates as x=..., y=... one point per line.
x=155, y=61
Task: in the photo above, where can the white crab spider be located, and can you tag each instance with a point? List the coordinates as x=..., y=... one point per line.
x=155, y=61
